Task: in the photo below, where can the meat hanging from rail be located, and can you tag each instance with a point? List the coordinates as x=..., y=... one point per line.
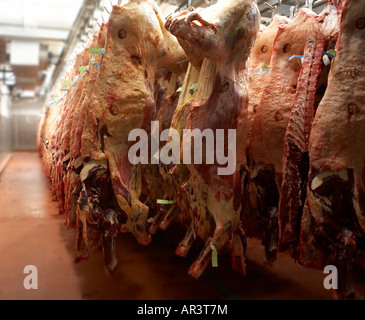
x=291, y=191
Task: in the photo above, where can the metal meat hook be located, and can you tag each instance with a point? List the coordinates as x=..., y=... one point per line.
x=292, y=12
x=297, y=6
x=273, y=7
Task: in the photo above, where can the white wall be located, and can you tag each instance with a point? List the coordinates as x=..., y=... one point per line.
x=5, y=124
x=25, y=116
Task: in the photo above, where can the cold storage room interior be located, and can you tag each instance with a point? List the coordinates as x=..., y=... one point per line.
x=182, y=149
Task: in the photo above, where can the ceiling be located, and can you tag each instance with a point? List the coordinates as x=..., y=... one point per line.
x=42, y=26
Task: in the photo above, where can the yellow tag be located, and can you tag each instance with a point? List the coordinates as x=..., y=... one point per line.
x=214, y=256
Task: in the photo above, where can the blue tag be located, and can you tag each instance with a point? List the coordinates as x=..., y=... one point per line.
x=295, y=56
x=328, y=54
x=263, y=71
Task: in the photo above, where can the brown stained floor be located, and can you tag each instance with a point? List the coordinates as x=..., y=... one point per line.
x=32, y=233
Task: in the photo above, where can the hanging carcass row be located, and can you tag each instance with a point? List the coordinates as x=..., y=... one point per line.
x=136, y=46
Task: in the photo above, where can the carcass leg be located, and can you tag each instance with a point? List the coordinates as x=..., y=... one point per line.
x=157, y=220
x=82, y=251
x=239, y=245
x=268, y=196
x=271, y=235
x=169, y=217
x=330, y=224
x=110, y=233
x=220, y=239
x=137, y=212
x=164, y=218
x=185, y=245
x=345, y=253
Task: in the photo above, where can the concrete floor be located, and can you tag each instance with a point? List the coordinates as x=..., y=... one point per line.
x=32, y=233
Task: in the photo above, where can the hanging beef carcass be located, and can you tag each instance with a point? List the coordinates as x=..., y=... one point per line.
x=321, y=36
x=61, y=134
x=136, y=46
x=259, y=64
x=268, y=131
x=80, y=122
x=49, y=133
x=71, y=115
x=218, y=42
x=73, y=160
x=333, y=222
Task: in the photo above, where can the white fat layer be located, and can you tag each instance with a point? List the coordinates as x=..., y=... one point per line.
x=78, y=162
x=90, y=165
x=67, y=157
x=318, y=179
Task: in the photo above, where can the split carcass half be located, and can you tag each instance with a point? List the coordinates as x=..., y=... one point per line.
x=333, y=222
x=268, y=132
x=61, y=134
x=136, y=46
x=260, y=63
x=73, y=161
x=223, y=35
x=55, y=111
x=71, y=116
x=321, y=36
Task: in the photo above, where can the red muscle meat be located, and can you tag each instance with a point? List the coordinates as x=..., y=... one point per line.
x=333, y=223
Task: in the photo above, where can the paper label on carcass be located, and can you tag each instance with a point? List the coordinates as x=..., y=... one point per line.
x=84, y=68
x=193, y=88
x=67, y=83
x=95, y=51
x=332, y=52
x=326, y=60
x=214, y=256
